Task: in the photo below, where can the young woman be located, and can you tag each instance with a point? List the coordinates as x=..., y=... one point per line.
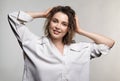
x=55, y=57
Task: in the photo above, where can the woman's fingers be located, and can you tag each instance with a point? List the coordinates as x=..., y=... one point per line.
x=47, y=12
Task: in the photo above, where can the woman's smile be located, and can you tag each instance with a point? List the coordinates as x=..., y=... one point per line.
x=58, y=26
x=56, y=32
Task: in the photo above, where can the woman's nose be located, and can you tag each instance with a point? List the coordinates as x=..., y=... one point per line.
x=58, y=25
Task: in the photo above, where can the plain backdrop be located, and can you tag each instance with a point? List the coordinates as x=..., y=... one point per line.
x=100, y=16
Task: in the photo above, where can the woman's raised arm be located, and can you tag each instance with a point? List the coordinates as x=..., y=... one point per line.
x=39, y=14
x=98, y=39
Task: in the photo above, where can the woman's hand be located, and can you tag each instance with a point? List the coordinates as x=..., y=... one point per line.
x=78, y=29
x=46, y=13
x=99, y=39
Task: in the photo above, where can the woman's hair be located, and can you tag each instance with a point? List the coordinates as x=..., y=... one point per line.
x=67, y=39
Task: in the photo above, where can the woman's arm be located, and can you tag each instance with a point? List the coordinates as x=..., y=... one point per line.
x=99, y=39
x=39, y=14
x=17, y=22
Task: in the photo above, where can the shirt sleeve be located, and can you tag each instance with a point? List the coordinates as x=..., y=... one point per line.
x=98, y=49
x=17, y=21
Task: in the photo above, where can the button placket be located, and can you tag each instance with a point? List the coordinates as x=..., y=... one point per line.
x=64, y=76
x=65, y=69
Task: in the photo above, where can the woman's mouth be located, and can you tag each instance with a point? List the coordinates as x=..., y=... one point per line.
x=56, y=32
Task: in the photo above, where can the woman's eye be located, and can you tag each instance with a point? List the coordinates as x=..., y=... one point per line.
x=64, y=24
x=55, y=21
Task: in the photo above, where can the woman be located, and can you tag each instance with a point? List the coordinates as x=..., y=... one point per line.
x=55, y=57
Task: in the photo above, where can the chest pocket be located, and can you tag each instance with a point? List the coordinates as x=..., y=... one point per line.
x=79, y=54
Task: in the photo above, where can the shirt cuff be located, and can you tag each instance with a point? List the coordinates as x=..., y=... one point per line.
x=24, y=16
x=104, y=49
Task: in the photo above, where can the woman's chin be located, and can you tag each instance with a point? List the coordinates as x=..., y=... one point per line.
x=56, y=37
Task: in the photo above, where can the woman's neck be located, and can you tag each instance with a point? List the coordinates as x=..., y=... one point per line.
x=57, y=42
x=59, y=45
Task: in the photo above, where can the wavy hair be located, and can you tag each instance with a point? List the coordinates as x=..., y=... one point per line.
x=68, y=38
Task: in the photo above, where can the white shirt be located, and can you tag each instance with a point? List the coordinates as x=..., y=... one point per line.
x=43, y=61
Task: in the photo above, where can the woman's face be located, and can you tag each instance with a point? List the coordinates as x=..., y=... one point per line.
x=58, y=26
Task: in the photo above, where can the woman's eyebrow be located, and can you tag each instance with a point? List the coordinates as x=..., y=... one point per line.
x=62, y=21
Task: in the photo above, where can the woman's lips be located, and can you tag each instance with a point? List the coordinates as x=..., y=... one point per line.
x=56, y=32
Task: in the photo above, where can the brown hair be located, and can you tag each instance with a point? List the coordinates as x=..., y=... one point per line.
x=67, y=39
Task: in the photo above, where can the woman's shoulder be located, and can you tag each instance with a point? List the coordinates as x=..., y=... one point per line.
x=79, y=45
x=43, y=40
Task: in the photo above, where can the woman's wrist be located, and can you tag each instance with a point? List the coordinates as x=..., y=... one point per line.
x=39, y=14
x=80, y=32
x=36, y=14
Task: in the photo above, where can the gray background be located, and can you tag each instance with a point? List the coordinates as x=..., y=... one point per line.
x=100, y=16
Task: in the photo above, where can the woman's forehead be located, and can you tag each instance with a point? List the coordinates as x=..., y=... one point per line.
x=61, y=16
